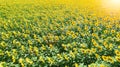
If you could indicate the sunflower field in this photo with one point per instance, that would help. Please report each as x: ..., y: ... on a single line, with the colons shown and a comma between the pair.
x: 58, y: 33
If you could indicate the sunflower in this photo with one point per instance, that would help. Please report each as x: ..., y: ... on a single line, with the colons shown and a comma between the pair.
x: 104, y: 58
x: 76, y: 65
x: 117, y: 58
x: 83, y: 51
x: 119, y: 47
x: 102, y: 65
x: 20, y: 60
x: 97, y: 56
x: 110, y: 59
x: 29, y: 60
x: 117, y: 52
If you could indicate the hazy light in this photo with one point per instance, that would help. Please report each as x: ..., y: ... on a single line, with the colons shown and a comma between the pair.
x: 113, y: 4
x: 115, y: 1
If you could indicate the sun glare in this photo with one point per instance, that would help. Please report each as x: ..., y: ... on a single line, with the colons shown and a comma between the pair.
x: 112, y: 4
x: 115, y: 2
